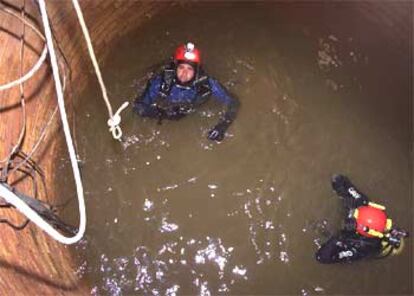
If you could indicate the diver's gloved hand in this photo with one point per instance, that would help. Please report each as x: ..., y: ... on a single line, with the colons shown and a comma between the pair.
x: 145, y: 110
x: 172, y: 111
x: 341, y: 184
x: 161, y: 103
x: 218, y: 132
x: 353, y: 198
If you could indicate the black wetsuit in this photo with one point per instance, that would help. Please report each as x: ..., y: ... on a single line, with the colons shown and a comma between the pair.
x: 348, y: 246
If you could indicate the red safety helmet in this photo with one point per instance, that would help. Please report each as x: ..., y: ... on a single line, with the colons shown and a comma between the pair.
x: 371, y: 221
x: 187, y: 53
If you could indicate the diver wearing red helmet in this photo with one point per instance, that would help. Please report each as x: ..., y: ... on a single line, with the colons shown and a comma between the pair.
x: 368, y: 231
x: 181, y: 86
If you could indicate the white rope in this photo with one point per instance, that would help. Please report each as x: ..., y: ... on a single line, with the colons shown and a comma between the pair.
x: 114, y: 119
x: 28, y: 75
x: 18, y: 203
x: 11, y: 12
x: 38, y: 64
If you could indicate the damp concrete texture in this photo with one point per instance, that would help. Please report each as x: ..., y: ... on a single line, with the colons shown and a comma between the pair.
x: 324, y: 88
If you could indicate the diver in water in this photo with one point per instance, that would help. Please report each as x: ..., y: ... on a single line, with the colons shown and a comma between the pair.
x: 367, y: 233
x: 181, y: 86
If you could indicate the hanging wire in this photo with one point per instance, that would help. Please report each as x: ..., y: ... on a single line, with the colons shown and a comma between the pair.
x: 21, y: 89
x: 20, y: 81
x: 44, y: 131
x: 27, y: 166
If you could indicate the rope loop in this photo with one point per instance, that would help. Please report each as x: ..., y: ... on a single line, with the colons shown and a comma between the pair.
x: 114, y: 122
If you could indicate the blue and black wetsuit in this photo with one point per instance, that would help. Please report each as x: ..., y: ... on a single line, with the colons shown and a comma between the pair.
x: 166, y: 98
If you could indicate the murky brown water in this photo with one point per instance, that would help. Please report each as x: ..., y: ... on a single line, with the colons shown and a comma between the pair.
x: 170, y: 212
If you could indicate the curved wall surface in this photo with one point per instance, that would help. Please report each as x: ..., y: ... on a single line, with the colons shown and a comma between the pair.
x: 29, y: 260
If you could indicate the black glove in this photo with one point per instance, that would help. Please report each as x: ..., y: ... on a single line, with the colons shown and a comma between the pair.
x: 352, y: 197
x: 341, y: 184
x: 218, y: 132
x: 145, y: 110
x: 172, y: 111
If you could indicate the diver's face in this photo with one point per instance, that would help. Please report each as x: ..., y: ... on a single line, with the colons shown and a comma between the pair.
x: 185, y: 72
